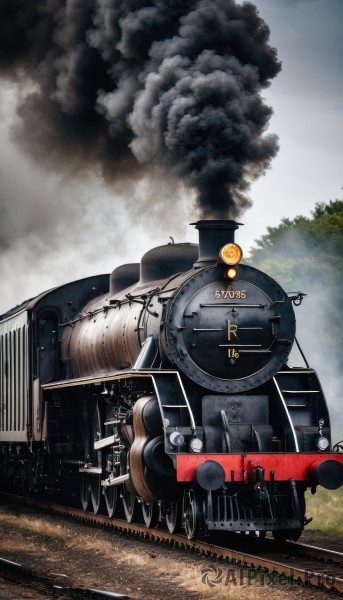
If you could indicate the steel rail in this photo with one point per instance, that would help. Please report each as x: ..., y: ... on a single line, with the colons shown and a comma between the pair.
x: 14, y: 570
x: 315, y: 552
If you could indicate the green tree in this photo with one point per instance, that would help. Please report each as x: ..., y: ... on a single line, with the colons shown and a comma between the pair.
x: 304, y: 250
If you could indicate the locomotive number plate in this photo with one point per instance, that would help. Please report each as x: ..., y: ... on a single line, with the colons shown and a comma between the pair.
x: 230, y: 293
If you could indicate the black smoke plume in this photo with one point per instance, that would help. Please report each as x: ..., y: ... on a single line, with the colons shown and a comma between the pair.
x: 125, y: 86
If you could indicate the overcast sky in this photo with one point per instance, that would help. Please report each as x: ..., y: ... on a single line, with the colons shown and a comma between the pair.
x: 56, y: 230
x: 308, y: 118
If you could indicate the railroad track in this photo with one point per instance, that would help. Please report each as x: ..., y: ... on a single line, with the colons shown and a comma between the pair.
x: 49, y: 586
x: 320, y: 567
x: 310, y: 574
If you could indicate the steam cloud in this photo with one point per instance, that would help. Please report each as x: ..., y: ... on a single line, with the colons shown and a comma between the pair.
x: 124, y: 86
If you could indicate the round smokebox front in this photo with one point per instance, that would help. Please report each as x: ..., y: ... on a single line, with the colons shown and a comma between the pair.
x: 230, y: 336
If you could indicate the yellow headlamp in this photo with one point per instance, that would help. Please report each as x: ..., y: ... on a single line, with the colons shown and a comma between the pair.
x: 231, y: 254
x: 230, y: 273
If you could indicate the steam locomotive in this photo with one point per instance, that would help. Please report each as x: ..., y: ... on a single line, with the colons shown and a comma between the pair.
x: 163, y: 391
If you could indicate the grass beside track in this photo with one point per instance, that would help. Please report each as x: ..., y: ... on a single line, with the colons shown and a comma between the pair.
x: 326, y: 508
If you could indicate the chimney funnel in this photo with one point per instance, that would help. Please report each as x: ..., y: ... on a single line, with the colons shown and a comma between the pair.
x: 213, y: 235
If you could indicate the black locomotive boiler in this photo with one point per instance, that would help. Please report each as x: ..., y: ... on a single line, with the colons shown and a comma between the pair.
x: 163, y: 392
